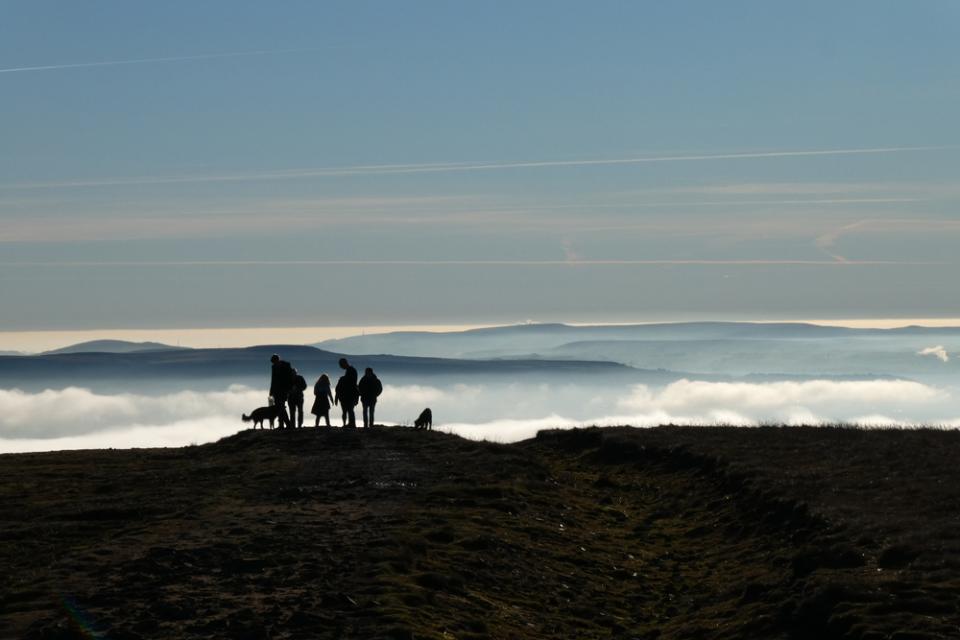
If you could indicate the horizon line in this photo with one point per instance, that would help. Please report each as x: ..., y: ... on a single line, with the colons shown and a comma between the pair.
x: 32, y: 341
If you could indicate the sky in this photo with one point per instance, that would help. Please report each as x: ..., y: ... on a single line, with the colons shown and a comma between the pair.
x: 185, y: 165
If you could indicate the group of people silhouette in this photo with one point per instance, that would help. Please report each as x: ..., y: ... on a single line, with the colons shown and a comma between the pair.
x: 287, y: 387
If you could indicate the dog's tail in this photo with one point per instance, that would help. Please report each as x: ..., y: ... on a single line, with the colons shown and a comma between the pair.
x: 246, y: 418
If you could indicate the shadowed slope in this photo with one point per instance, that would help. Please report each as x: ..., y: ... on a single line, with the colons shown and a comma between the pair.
x: 671, y: 533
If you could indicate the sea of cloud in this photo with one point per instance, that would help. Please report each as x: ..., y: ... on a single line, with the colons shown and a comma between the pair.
x: 77, y: 418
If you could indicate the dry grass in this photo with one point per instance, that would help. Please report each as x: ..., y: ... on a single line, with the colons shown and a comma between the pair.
x: 658, y: 533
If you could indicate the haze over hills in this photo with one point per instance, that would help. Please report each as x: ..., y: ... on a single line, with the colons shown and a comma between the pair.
x: 723, y: 348
x: 216, y: 368
x: 517, y: 380
x: 529, y: 338
x: 652, y: 353
x: 110, y: 346
x: 829, y: 356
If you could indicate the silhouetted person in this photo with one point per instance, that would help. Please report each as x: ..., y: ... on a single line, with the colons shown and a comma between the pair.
x: 281, y: 381
x: 347, y: 394
x: 369, y: 388
x: 323, y: 397
x: 295, y: 400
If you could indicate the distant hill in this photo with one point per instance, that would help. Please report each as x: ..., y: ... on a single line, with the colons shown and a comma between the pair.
x: 535, y: 339
x: 111, y: 346
x: 716, y: 348
x: 893, y: 354
x: 200, y: 368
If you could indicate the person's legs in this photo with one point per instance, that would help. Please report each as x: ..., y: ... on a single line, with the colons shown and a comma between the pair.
x: 366, y: 413
x: 300, y: 414
x: 343, y: 409
x: 372, y: 406
x: 326, y: 416
x: 352, y: 417
x: 282, y: 416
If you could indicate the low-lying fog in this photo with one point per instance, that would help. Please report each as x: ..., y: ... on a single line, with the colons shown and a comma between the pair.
x: 78, y: 418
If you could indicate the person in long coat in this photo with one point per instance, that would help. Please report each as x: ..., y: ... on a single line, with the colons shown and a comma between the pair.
x: 281, y: 381
x: 322, y: 400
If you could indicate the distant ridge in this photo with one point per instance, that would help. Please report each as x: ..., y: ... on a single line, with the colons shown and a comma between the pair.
x: 194, y: 368
x: 528, y: 339
x: 111, y: 346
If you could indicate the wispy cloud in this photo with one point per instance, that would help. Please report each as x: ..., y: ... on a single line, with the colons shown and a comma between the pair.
x: 131, y: 220
x: 187, y: 58
x: 393, y: 169
x: 817, y: 188
x: 465, y: 263
x: 570, y: 254
x: 869, y: 192
x: 825, y: 242
x: 938, y: 352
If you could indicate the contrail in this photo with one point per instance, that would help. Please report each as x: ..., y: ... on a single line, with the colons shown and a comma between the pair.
x: 467, y: 263
x: 448, y: 167
x: 111, y: 63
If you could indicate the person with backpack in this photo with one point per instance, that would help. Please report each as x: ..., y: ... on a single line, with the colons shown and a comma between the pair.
x: 295, y: 400
x: 370, y: 388
x: 281, y: 381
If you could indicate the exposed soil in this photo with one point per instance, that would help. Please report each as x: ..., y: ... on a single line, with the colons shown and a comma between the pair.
x: 675, y: 532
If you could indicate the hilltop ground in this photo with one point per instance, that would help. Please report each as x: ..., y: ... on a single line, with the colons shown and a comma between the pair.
x: 626, y: 533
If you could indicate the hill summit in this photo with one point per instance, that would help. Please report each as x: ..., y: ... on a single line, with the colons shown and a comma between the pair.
x: 395, y: 533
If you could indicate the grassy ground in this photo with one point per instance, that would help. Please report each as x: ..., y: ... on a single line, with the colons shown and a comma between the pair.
x: 392, y: 533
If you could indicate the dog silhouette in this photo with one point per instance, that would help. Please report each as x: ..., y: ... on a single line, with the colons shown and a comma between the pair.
x: 425, y: 421
x: 261, y: 414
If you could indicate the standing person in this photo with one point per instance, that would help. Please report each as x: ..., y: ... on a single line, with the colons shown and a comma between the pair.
x: 295, y: 400
x: 369, y: 388
x: 281, y: 381
x: 346, y: 394
x: 323, y: 397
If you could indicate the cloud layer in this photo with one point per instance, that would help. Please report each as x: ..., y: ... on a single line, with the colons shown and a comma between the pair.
x: 76, y: 418
x: 74, y: 411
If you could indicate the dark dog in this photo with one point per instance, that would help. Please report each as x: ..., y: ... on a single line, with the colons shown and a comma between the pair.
x: 425, y: 421
x: 261, y: 414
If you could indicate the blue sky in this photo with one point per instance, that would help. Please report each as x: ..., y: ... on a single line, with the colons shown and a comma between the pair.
x: 601, y: 161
